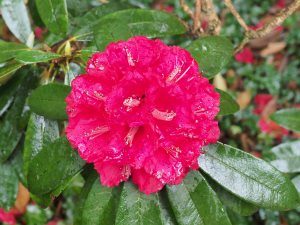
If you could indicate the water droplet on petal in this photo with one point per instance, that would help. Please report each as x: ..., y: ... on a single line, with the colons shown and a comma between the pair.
x: 129, y: 137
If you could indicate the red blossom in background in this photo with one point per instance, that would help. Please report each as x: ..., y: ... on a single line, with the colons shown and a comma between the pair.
x: 7, y: 217
x: 270, y: 127
x: 38, y: 32
x: 142, y: 110
x: 280, y: 4
x: 265, y: 124
x: 245, y: 56
x: 260, y: 24
x: 260, y: 101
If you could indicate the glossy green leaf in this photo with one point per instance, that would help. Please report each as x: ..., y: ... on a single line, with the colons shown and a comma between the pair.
x: 167, y: 214
x: 84, y: 24
x: 7, y: 93
x: 287, y: 157
x: 296, y: 182
x: 212, y: 53
x: 8, y: 50
x: 249, y: 178
x: 16, y: 161
x: 288, y: 118
x: 7, y: 71
x: 131, y: 22
x: 194, y: 202
x: 49, y: 101
x: 10, y: 130
x: 15, y: 15
x: 231, y: 201
x: 237, y: 219
x: 98, y: 203
x: 53, y: 166
x: 54, y: 15
x: 136, y: 208
x: 9, y: 138
x: 227, y: 104
x: 8, y: 186
x: 40, y: 132
x: 35, y: 56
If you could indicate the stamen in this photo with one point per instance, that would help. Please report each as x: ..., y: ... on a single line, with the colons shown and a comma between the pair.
x: 182, y: 75
x: 131, y: 103
x: 96, y: 95
x: 173, y: 74
x: 126, y: 171
x: 96, y: 132
x: 129, y: 57
x: 129, y: 137
x: 165, y: 116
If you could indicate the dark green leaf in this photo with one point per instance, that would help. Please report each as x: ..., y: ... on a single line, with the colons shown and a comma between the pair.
x: 16, y: 161
x: 35, y: 56
x: 7, y: 92
x: 231, y: 201
x: 296, y: 182
x: 9, y: 138
x: 249, y: 178
x: 288, y: 118
x: 15, y: 15
x: 8, y: 50
x: 53, y: 166
x: 194, y: 202
x: 40, y: 132
x: 131, y: 22
x: 85, y: 23
x: 237, y: 219
x: 49, y: 101
x: 54, y: 15
x: 227, y: 104
x: 34, y: 14
x: 98, y: 203
x: 10, y: 130
x: 167, y: 214
x: 137, y: 208
x: 78, y: 7
x: 287, y: 157
x: 212, y: 53
x: 8, y: 70
x: 8, y: 186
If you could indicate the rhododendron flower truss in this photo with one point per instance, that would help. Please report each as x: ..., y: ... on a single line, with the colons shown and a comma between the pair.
x: 142, y: 110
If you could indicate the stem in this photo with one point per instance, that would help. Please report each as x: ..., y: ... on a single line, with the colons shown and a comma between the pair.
x: 186, y: 8
x: 235, y: 13
x: 267, y: 28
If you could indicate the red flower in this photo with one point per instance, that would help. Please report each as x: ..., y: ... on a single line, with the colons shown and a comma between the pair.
x: 142, y: 109
x: 265, y: 124
x: 7, y: 217
x: 245, y: 56
x: 38, y: 32
x: 270, y: 127
x: 260, y: 24
x: 280, y: 4
x: 260, y: 101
